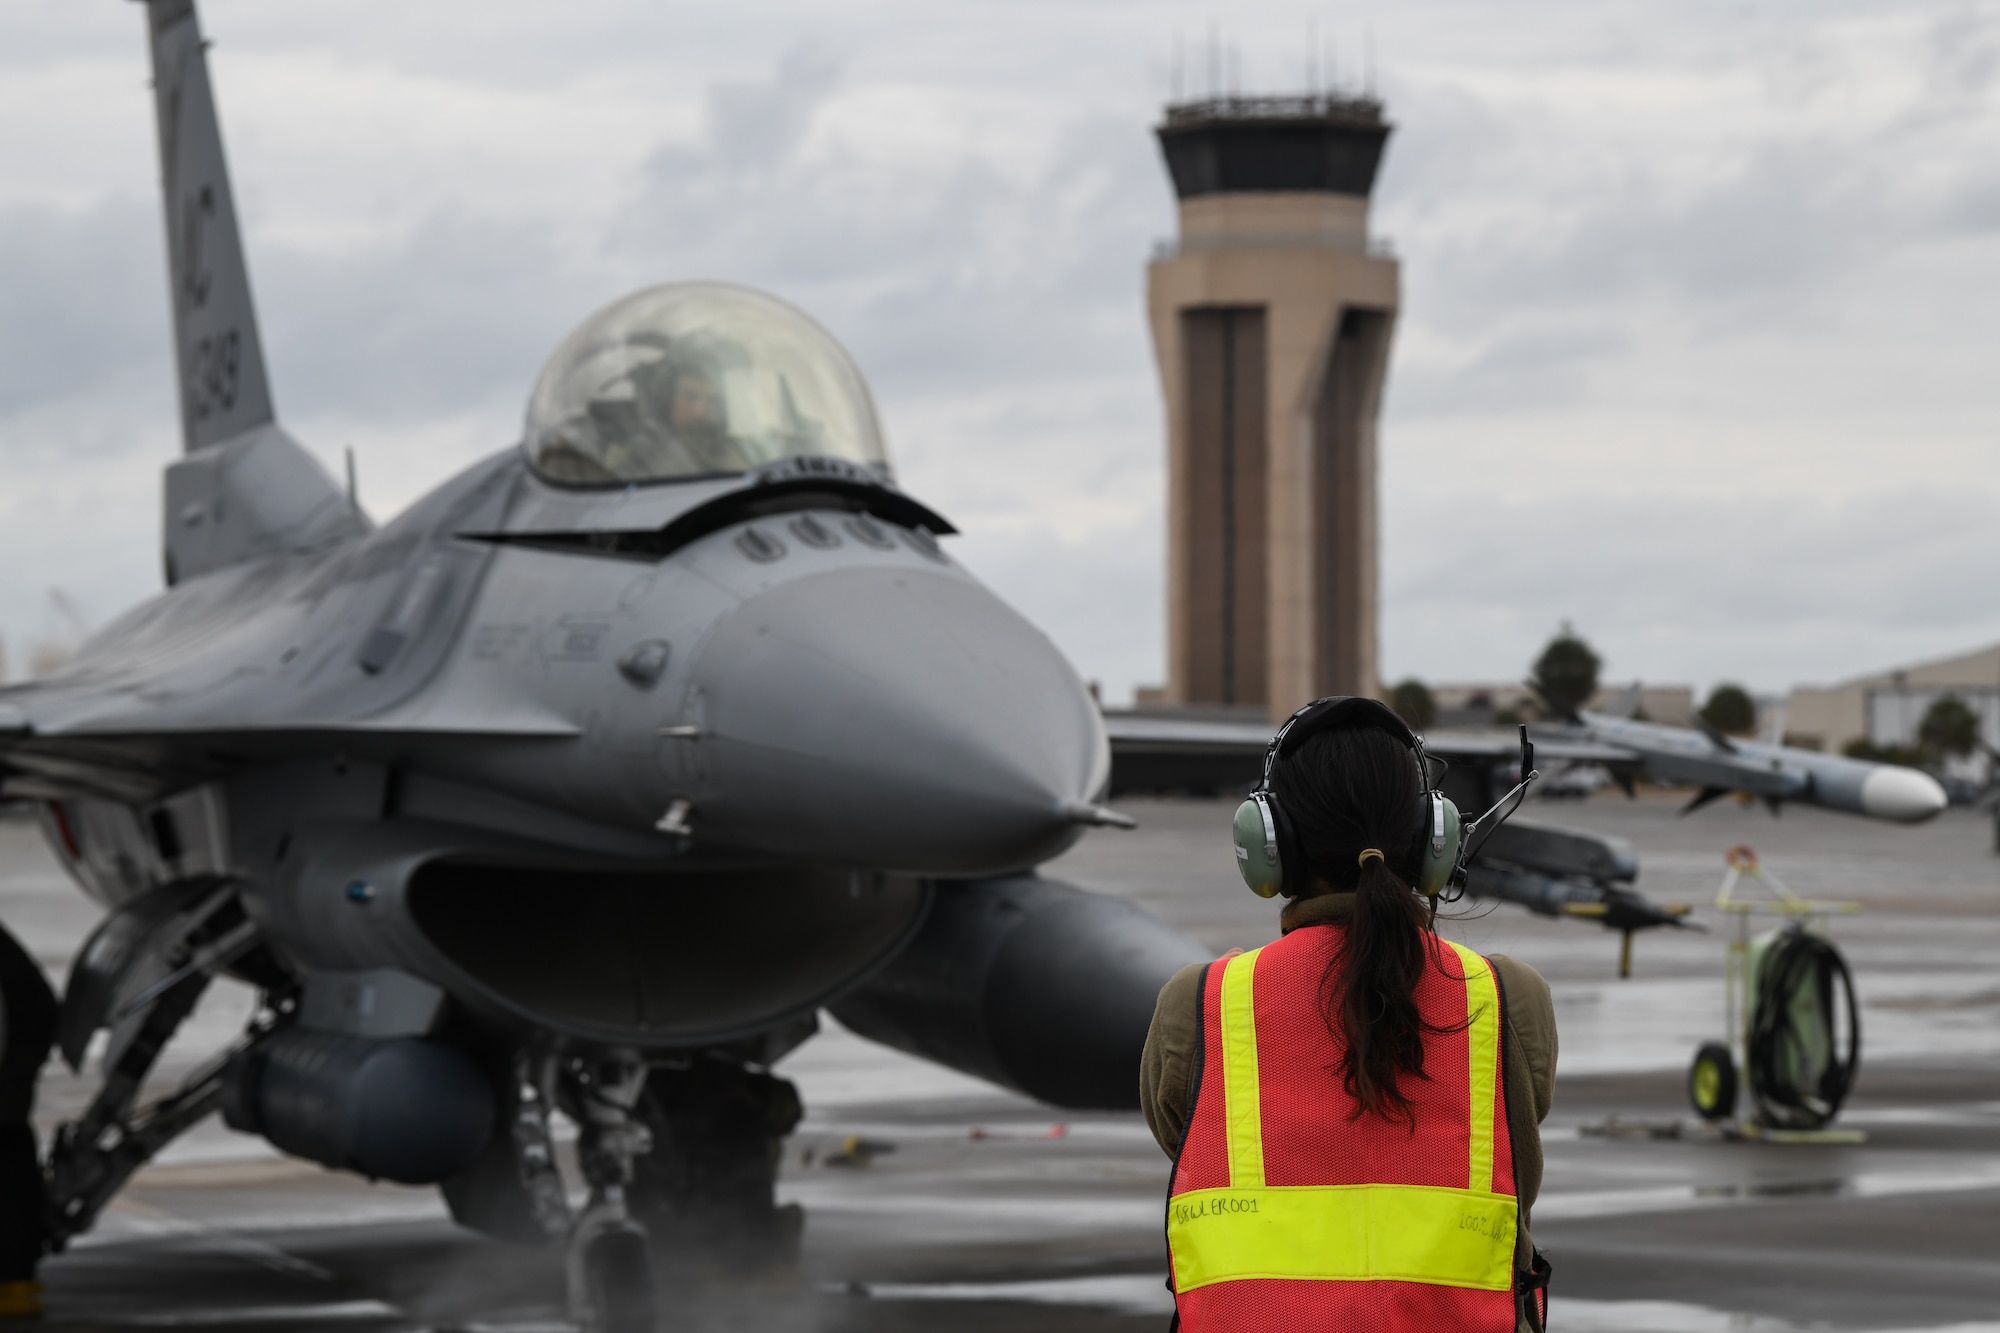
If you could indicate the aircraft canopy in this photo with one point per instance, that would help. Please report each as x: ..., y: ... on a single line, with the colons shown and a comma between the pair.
x: 695, y: 379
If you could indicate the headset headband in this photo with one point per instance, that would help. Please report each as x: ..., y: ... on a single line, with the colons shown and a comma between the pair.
x: 1340, y: 712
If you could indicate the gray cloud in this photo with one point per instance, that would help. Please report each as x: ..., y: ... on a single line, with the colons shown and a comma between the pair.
x: 85, y: 301
x: 1692, y: 589
x: 948, y: 278
x: 464, y: 306
x: 758, y: 126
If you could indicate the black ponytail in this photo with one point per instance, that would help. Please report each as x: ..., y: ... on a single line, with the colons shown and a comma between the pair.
x: 1347, y: 792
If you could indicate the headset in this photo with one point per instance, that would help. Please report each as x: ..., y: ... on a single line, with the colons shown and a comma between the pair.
x: 1268, y: 854
x: 1267, y: 850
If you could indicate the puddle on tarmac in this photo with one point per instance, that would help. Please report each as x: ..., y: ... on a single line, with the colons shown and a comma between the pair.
x: 1125, y: 1293
x: 1144, y: 1293
x: 1861, y: 1185
x: 325, y: 1312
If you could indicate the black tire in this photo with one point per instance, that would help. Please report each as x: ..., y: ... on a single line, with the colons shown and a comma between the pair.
x: 1712, y: 1082
x: 619, y: 1268
x: 707, y: 1191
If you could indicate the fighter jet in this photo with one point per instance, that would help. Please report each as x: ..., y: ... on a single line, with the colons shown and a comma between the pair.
x: 582, y: 785
x: 1550, y: 870
x: 1719, y: 765
x: 1150, y: 752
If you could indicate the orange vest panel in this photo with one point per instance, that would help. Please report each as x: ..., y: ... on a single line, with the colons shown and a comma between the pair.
x: 1287, y: 1211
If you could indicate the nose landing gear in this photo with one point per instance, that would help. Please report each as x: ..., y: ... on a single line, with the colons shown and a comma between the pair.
x: 610, y: 1265
x: 680, y: 1162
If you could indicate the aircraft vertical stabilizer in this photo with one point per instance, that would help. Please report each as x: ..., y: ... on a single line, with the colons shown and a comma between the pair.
x: 246, y: 488
x: 220, y: 358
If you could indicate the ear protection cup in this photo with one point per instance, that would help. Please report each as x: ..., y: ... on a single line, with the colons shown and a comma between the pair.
x: 1265, y: 856
x: 1259, y: 857
x: 1440, y: 850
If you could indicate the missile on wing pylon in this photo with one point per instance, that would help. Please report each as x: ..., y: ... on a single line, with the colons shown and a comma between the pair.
x: 1775, y: 774
x: 1564, y: 872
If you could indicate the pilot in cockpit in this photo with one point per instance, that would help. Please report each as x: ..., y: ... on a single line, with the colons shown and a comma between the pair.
x: 696, y: 380
x: 685, y: 415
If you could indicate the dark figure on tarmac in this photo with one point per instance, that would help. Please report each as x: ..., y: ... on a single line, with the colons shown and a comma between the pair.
x: 27, y: 1031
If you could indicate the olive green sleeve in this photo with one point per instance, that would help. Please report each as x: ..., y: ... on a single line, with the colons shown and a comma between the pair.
x: 1166, y: 1068
x: 1529, y: 1057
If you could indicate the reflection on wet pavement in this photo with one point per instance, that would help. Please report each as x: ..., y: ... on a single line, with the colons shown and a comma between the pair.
x: 1669, y: 1317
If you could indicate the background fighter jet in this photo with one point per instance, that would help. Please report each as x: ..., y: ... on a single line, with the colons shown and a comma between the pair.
x: 583, y: 784
x: 1719, y: 765
x: 1550, y: 870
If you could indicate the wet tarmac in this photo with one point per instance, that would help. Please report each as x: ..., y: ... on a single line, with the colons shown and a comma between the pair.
x: 961, y: 1207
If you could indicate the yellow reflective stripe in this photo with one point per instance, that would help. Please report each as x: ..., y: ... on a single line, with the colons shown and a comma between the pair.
x: 1243, y: 1112
x: 1482, y: 1013
x: 1343, y: 1233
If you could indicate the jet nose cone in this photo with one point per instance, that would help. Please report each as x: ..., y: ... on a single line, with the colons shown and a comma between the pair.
x: 1902, y: 794
x: 895, y: 718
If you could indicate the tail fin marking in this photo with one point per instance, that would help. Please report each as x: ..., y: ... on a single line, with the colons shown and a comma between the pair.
x: 220, y: 359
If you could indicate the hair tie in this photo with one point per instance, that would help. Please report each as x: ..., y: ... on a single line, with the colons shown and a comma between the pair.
x: 1362, y: 860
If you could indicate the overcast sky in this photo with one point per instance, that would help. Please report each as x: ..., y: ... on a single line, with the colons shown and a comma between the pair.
x: 1698, y: 347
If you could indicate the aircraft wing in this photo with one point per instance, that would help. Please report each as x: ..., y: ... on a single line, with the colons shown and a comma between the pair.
x: 1718, y: 765
x: 1495, y: 747
x: 49, y: 749
x: 1153, y: 753
x: 1150, y: 752
x: 1548, y: 870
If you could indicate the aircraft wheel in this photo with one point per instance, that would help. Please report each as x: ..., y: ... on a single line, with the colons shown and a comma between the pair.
x: 619, y: 1270
x: 707, y: 1190
x: 1712, y: 1082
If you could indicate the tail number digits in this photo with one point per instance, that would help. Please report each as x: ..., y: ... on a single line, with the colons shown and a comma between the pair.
x: 212, y: 375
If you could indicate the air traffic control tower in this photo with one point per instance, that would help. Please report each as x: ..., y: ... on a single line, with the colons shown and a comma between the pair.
x: 1271, y: 317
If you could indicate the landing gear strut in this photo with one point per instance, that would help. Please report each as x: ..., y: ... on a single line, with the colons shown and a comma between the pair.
x: 610, y: 1263
x: 681, y: 1162
x: 706, y: 1189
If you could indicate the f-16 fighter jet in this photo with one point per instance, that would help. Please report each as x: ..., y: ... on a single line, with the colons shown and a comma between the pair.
x: 583, y: 785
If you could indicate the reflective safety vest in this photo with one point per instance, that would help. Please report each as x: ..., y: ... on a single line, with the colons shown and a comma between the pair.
x: 1289, y: 1212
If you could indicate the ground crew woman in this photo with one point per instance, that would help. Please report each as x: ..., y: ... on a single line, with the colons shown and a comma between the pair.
x: 1353, y: 1110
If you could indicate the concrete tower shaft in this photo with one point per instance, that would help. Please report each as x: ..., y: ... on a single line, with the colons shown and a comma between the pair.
x: 1271, y: 317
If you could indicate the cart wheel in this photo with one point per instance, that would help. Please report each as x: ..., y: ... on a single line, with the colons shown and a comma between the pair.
x: 1712, y: 1082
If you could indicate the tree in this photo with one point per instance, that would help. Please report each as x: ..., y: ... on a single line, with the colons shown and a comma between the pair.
x: 1566, y: 673
x: 1730, y: 710
x: 1908, y: 756
x: 1413, y: 703
x: 1949, y: 729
